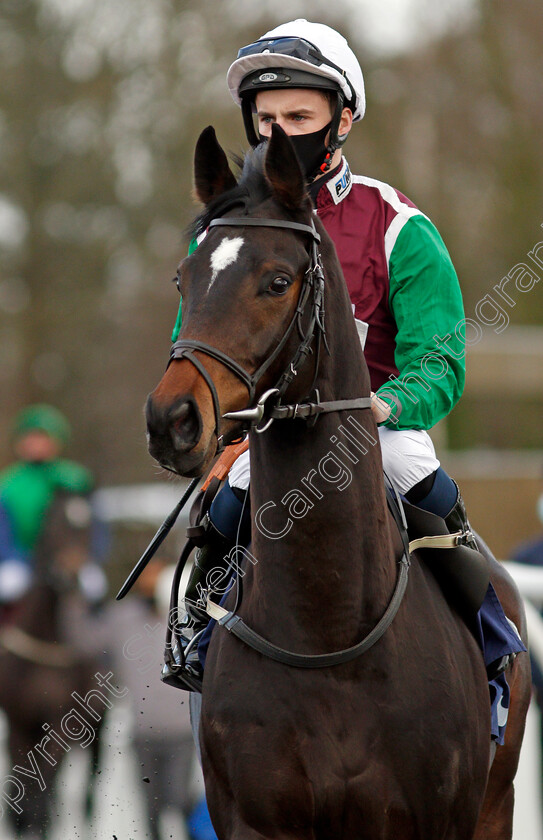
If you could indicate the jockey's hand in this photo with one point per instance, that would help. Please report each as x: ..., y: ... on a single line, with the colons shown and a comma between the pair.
x: 380, y: 409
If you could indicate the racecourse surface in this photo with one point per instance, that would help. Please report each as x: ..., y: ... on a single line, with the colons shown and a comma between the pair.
x: 120, y: 804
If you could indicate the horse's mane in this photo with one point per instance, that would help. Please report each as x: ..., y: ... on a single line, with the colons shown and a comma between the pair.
x: 252, y: 189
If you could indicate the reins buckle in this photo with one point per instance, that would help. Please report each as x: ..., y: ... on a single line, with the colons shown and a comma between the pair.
x: 253, y: 416
x: 464, y: 538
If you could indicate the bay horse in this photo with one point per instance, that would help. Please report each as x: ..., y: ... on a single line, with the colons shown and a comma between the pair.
x: 40, y: 669
x: 392, y: 743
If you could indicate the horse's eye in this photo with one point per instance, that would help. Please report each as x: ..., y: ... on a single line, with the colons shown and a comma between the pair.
x: 278, y: 286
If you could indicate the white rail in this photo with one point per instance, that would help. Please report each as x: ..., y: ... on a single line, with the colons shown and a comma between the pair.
x: 528, y: 822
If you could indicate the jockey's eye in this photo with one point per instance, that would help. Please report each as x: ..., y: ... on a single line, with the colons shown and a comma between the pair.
x: 279, y: 285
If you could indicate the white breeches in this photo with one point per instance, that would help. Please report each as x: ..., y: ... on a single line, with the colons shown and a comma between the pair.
x: 408, y: 457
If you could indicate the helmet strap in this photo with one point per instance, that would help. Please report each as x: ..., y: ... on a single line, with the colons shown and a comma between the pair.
x: 248, y: 121
x: 335, y: 141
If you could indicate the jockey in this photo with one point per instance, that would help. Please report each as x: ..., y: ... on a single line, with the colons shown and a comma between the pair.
x: 404, y: 291
x: 27, y: 489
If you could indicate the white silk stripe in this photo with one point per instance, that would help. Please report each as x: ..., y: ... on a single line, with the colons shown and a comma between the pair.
x: 224, y: 255
x: 404, y: 211
x: 394, y: 229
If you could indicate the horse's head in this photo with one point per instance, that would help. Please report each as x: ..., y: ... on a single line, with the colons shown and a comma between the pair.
x: 247, y: 303
x: 65, y: 543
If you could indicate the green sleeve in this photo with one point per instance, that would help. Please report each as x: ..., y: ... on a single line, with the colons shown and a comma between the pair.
x: 177, y: 326
x: 426, y: 302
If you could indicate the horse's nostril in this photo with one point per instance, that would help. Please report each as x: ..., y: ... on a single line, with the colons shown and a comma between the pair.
x: 182, y: 413
x: 173, y: 429
x: 186, y: 425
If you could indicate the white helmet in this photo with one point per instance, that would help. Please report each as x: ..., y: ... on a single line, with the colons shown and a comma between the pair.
x: 299, y: 54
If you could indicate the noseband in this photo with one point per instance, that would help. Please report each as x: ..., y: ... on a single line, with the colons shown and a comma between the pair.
x: 313, y: 281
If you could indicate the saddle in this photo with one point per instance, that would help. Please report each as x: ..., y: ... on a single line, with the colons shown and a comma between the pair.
x: 462, y: 573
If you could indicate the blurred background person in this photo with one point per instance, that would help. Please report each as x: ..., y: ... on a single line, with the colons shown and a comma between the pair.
x: 27, y: 489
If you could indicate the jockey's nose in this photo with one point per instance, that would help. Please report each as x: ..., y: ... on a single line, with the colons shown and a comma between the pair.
x: 172, y: 429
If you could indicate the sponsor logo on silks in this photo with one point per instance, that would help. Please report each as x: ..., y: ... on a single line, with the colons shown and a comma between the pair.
x: 267, y: 77
x: 341, y: 185
x: 344, y: 182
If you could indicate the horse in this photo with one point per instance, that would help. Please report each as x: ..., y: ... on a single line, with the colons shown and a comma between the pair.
x: 40, y: 671
x: 394, y: 742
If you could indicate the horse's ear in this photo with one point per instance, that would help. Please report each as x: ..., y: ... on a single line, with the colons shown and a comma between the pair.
x: 283, y: 170
x: 212, y: 174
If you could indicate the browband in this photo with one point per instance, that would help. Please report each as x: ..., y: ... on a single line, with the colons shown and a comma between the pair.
x: 244, y: 221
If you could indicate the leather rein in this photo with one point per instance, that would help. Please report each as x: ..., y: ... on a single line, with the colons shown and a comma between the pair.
x: 268, y: 406
x: 235, y: 624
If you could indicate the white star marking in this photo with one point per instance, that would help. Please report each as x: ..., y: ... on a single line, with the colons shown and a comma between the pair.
x: 224, y: 255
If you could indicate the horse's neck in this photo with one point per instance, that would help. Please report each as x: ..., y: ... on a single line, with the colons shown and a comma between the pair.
x: 321, y: 489
x: 38, y: 614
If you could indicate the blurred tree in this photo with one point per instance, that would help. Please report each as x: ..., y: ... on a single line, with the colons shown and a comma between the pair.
x: 100, y: 107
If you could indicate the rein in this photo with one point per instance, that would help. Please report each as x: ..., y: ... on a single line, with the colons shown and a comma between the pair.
x: 234, y: 624
x: 253, y: 415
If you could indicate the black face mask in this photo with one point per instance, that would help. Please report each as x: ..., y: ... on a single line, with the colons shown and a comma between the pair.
x: 310, y: 149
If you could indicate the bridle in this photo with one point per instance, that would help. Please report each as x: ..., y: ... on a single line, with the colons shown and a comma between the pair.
x: 268, y: 406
